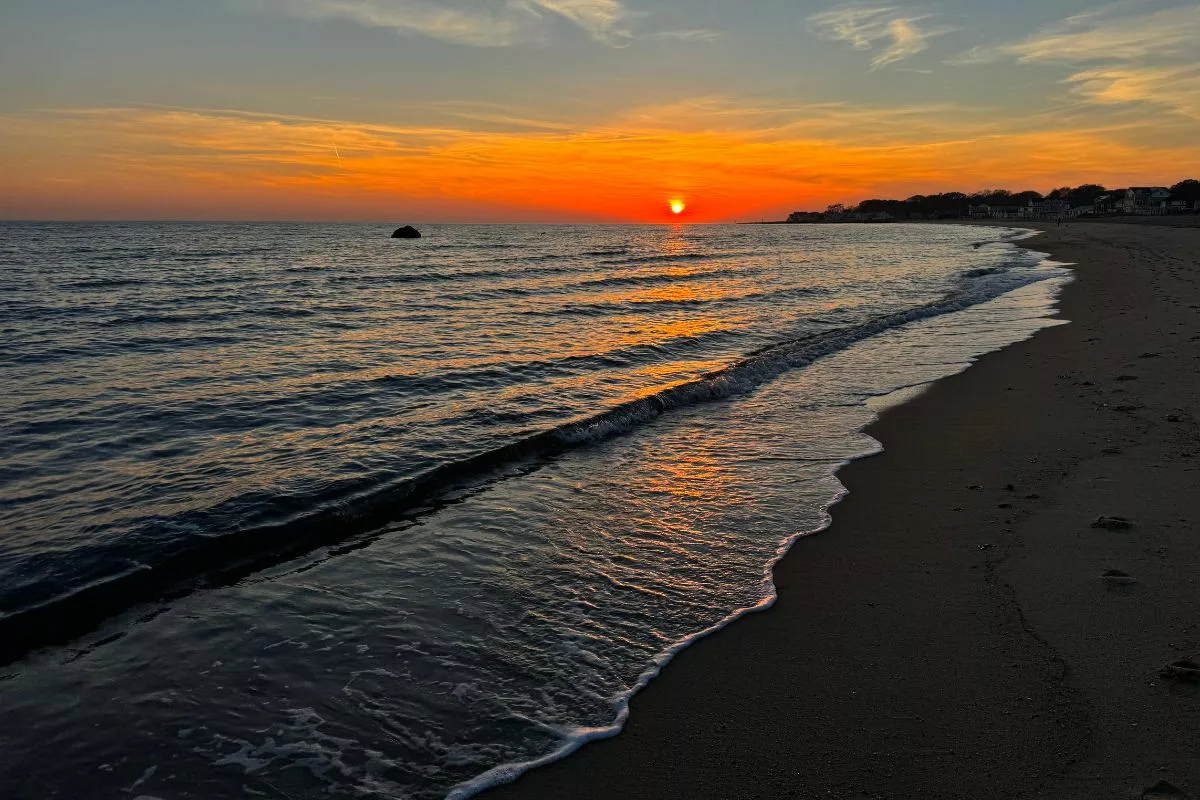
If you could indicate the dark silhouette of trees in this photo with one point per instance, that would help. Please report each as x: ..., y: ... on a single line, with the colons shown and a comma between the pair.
x: 957, y: 204
x: 949, y: 204
x: 1085, y: 195
x: 1188, y: 190
x: 1026, y: 197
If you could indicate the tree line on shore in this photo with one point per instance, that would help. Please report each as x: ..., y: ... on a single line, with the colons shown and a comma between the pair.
x: 955, y: 204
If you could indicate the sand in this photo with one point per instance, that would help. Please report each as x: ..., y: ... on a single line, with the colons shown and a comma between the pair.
x: 953, y: 634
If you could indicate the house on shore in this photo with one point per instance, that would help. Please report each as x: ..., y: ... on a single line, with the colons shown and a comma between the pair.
x: 994, y: 212
x: 1147, y: 200
x: 1050, y: 209
x: 1111, y: 203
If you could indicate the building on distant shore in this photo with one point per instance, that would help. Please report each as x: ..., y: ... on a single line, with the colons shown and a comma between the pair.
x: 1147, y: 200
x: 994, y: 212
x: 1111, y: 203
x: 1048, y: 209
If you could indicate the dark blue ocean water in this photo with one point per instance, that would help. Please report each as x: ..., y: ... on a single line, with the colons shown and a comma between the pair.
x: 385, y: 518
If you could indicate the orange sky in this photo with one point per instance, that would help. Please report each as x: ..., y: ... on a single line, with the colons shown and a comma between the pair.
x: 184, y: 163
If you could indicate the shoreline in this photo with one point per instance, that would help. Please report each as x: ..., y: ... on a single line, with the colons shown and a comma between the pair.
x: 845, y: 688
x: 508, y: 773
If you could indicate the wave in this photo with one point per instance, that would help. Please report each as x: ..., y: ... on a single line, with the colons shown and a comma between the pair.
x: 302, y: 523
x: 449, y: 276
x: 650, y: 305
x: 107, y: 283
x: 167, y: 255
x: 664, y: 277
x: 500, y: 373
x: 667, y: 257
x: 614, y: 251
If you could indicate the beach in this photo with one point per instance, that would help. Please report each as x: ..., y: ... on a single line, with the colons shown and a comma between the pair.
x: 1006, y: 603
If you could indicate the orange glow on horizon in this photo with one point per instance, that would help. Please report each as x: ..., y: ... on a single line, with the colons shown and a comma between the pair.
x: 115, y: 163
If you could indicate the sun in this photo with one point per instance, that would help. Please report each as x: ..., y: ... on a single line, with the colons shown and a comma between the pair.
x: 677, y: 206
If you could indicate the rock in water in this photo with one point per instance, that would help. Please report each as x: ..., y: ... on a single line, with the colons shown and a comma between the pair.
x: 407, y: 232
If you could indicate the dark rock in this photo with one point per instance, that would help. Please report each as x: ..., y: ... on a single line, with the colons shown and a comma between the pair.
x: 1115, y: 576
x: 1112, y: 523
x: 407, y: 232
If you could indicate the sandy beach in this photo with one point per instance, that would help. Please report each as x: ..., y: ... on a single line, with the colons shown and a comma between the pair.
x: 1006, y: 605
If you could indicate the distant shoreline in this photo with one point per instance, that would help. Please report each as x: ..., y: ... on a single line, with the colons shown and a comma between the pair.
x: 1184, y: 220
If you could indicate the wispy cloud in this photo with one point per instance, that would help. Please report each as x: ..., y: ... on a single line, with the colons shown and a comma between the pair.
x: 1175, y: 87
x: 1121, y: 56
x: 1110, y: 33
x: 688, y: 35
x: 894, y: 33
x: 482, y: 23
x: 606, y: 20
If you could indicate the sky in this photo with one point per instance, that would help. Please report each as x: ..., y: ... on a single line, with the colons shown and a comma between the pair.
x: 579, y: 110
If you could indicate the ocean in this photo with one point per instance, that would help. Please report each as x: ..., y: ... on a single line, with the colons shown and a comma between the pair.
x: 297, y: 510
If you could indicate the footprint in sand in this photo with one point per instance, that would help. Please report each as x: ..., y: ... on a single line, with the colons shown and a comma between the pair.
x: 1115, y: 577
x: 1163, y: 791
x: 1183, y: 670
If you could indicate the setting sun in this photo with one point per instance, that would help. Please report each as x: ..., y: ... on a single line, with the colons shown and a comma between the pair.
x: 677, y: 206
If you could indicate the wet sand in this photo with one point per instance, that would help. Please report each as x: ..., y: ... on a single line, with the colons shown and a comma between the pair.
x: 952, y: 635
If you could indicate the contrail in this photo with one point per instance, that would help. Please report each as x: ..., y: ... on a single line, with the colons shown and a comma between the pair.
x: 335, y: 151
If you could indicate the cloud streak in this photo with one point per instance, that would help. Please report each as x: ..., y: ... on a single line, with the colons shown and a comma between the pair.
x: 1174, y: 87
x: 1119, y: 57
x: 894, y: 34
x: 1107, y: 35
x: 490, y: 23
x: 687, y: 35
